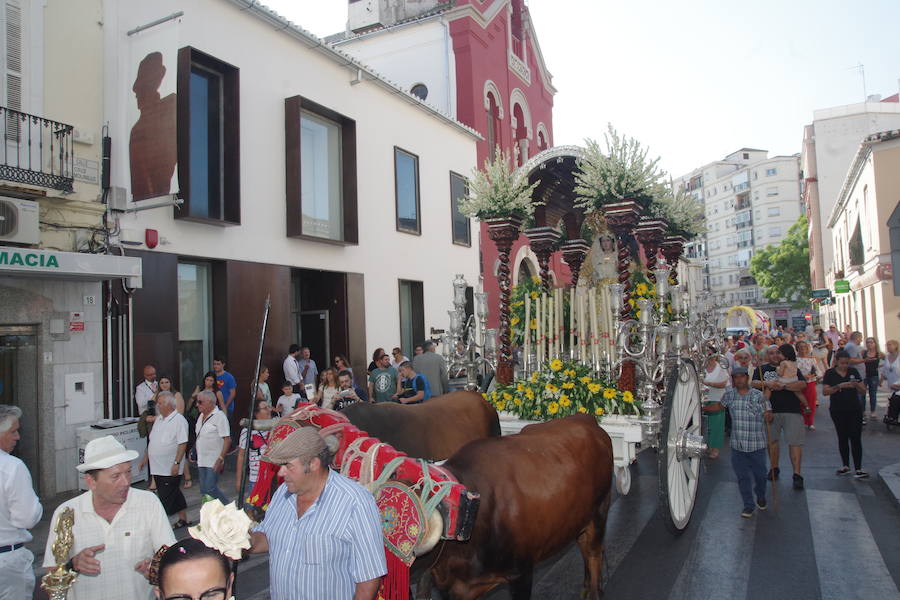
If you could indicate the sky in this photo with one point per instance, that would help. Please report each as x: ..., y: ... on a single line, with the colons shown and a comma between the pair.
x: 694, y: 80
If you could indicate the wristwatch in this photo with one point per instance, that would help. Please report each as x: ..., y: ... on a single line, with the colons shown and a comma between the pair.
x: 70, y: 566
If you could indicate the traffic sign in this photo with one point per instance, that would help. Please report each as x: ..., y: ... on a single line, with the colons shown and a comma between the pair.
x: 808, y: 317
x: 821, y: 293
x: 841, y: 286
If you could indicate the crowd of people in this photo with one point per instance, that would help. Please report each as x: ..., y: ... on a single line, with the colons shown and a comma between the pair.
x: 322, y: 530
x: 766, y: 389
x: 198, y: 432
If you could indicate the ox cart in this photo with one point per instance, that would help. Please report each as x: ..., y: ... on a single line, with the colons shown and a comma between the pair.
x: 625, y: 432
x: 672, y: 426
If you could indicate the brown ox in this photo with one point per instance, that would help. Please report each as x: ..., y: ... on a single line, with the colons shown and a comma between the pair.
x: 540, y: 489
x: 433, y: 430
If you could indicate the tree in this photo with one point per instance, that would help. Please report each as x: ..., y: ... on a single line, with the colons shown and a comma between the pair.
x: 782, y: 271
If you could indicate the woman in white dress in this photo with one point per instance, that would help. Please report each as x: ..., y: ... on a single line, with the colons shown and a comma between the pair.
x: 716, y: 379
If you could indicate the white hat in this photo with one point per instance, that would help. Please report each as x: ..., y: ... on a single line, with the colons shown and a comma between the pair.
x: 103, y: 453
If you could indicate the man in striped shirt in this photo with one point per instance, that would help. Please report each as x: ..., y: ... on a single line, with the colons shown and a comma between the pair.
x: 322, y: 530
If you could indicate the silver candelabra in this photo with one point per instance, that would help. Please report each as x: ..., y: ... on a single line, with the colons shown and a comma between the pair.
x: 461, y: 343
x: 657, y: 339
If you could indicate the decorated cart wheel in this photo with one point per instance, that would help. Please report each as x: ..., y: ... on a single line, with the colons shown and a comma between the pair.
x: 681, y: 446
x: 623, y: 480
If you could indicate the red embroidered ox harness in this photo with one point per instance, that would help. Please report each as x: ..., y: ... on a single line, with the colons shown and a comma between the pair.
x: 420, y: 503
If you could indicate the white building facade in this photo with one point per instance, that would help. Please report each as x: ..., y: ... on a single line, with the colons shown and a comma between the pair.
x: 829, y: 145
x: 217, y: 155
x: 750, y: 201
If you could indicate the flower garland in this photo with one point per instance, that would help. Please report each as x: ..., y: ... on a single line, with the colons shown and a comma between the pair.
x: 561, y: 389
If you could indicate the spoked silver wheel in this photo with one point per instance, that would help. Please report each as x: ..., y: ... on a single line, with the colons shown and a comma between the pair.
x: 681, y: 446
x: 623, y: 480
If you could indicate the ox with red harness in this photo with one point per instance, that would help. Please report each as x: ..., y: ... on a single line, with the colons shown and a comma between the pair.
x: 420, y: 503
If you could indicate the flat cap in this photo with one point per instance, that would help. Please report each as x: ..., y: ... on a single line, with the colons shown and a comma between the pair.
x: 304, y: 442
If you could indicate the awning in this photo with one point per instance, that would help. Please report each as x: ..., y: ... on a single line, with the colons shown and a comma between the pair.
x: 26, y: 262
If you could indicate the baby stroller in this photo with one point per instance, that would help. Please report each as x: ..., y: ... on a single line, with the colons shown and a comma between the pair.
x: 893, y: 412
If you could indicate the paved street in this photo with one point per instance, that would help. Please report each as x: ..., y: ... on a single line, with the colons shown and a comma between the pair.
x: 838, y: 540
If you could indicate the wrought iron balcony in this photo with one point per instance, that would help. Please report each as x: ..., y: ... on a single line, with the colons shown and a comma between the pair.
x: 37, y: 151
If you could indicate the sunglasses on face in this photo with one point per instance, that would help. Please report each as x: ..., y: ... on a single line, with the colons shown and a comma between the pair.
x: 210, y: 594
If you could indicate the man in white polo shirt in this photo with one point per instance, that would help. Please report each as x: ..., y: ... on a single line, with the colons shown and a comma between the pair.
x: 20, y: 510
x: 213, y: 442
x: 165, y: 451
x: 117, y: 528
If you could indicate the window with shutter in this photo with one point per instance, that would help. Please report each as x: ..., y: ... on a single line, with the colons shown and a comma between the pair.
x: 13, y: 47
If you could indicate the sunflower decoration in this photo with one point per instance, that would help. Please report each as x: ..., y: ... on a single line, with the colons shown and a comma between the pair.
x: 563, y: 388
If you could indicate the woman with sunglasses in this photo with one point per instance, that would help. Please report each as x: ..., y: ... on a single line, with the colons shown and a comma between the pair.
x: 872, y: 356
x: 189, y: 570
x: 209, y: 385
x: 341, y: 363
x: 398, y: 358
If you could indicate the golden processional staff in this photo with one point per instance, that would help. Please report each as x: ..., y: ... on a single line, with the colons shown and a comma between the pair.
x: 58, y: 581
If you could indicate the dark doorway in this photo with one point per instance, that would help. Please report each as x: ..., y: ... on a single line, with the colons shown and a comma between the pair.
x: 314, y: 333
x: 19, y: 387
x: 412, y: 315
x: 319, y: 314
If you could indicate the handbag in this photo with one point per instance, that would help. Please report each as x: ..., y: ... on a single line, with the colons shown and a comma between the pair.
x: 192, y: 455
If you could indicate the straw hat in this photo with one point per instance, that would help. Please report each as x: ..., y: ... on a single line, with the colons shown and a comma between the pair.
x: 103, y: 453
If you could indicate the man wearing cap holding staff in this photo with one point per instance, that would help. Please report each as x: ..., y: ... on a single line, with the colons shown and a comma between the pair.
x: 117, y: 529
x: 322, y: 530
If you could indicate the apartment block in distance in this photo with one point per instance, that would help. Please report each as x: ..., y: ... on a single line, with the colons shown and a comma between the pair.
x: 751, y: 201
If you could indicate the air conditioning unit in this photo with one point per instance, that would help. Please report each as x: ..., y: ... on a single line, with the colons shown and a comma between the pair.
x: 19, y: 221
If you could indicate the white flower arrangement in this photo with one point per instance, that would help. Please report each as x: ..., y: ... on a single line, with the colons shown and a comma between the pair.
x: 622, y: 173
x: 684, y: 215
x: 497, y: 191
x: 223, y: 528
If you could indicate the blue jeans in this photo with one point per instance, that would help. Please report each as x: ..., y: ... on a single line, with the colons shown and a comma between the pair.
x: 872, y: 386
x: 750, y: 468
x: 209, y: 484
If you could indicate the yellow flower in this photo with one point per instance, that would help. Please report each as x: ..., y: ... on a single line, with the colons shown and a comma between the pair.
x: 627, y: 396
x: 568, y: 385
x: 609, y: 393
x: 641, y: 289
x: 494, y: 396
x: 585, y: 380
x: 551, y: 388
x: 507, y: 396
x: 529, y: 393
x: 501, y: 405
x: 582, y: 410
x: 556, y: 364
x: 534, y: 295
x: 485, y: 396
x: 637, y: 315
x: 534, y: 323
x: 553, y: 408
x: 535, y: 279
x: 536, y: 411
x: 564, y: 401
x: 517, y: 401
x: 594, y: 388
x: 598, y: 411
x: 632, y: 302
x: 520, y: 388
x: 519, y: 303
x: 514, y: 321
x: 534, y: 377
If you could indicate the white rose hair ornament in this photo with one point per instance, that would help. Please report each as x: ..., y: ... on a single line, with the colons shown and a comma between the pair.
x: 223, y: 528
